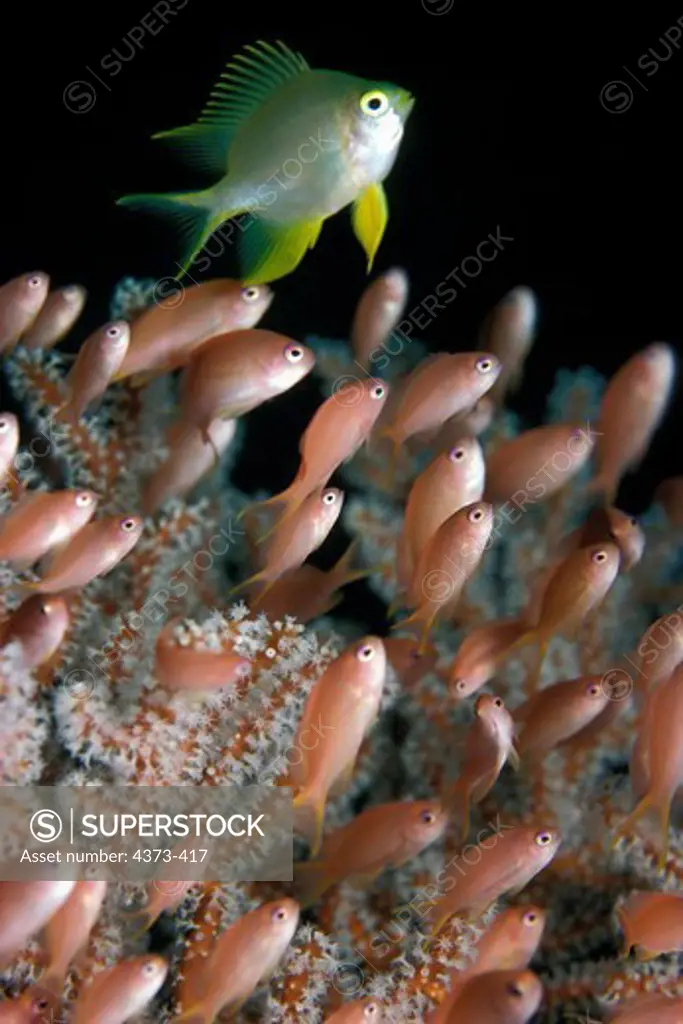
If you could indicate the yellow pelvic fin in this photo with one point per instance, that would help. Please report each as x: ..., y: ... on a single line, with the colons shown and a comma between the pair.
x: 270, y: 251
x: 369, y: 217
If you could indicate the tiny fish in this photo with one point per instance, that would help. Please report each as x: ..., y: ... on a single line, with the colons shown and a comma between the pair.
x: 536, y: 464
x: 189, y: 459
x: 180, y: 668
x: 509, y: 333
x: 94, y: 551
x: 343, y: 704
x: 9, y: 442
x: 611, y: 524
x: 476, y: 659
x: 499, y: 997
x: 97, y: 362
x: 57, y: 316
x: 167, y: 334
x: 235, y: 373
x: 360, y: 1011
x: 120, y: 992
x: 21, y: 299
x: 489, y: 745
x: 508, y: 944
x: 632, y: 408
x: 507, y: 863
x: 43, y: 521
x: 653, y: 923
x: 439, y: 388
x: 25, y: 907
x: 67, y: 932
x: 454, y: 479
x: 246, y: 953
x: 339, y: 427
x: 378, y: 312
x: 297, y: 537
x: 445, y: 566
x: 39, y: 625
x: 387, y: 835
x: 290, y: 146
x: 558, y: 712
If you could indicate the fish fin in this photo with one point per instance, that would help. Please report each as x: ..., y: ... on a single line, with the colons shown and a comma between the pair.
x: 514, y: 758
x: 343, y: 570
x: 312, y: 879
x: 256, y: 578
x: 395, y: 606
x: 313, y: 803
x: 192, y: 214
x: 250, y: 78
x: 291, y: 498
x: 270, y: 251
x: 457, y: 799
x: 425, y: 618
x: 641, y: 809
x: 370, y: 214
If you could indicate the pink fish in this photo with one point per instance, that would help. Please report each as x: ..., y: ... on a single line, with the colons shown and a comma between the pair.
x: 235, y: 373
x: 98, y: 361
x: 610, y: 524
x: 360, y: 1011
x: 499, y: 997
x: 507, y: 862
x: 190, y: 458
x: 489, y: 745
x: 379, y: 310
x: 44, y: 521
x: 297, y: 537
x: 57, y: 316
x: 558, y: 712
x: 167, y: 334
x: 660, y: 649
x: 406, y: 660
x: 95, y: 550
x: 180, y: 668
x: 337, y: 430
x: 509, y: 333
x: 25, y: 908
x: 470, y: 423
x: 476, y: 659
x: 653, y: 923
x: 21, y: 299
x: 9, y: 442
x: 67, y: 932
x: 246, y: 953
x: 454, y: 479
x: 343, y: 706
x: 536, y: 464
x: 39, y: 625
x: 509, y: 944
x: 633, y: 406
x: 120, y: 992
x: 387, y: 835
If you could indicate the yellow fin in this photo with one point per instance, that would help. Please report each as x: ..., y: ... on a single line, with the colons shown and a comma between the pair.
x: 369, y: 217
x: 271, y: 251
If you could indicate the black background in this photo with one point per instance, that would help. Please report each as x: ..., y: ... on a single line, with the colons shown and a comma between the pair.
x: 508, y: 130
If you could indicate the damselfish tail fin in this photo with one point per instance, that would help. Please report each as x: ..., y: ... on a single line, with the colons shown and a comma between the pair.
x: 192, y: 213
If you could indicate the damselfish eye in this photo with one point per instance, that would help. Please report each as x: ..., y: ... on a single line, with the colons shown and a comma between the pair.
x: 456, y: 454
x: 115, y: 332
x: 543, y: 838
x: 599, y: 557
x: 428, y: 817
x: 4, y: 425
x: 530, y: 917
x: 461, y: 685
x: 498, y: 702
x: 127, y: 525
x: 633, y: 521
x: 514, y: 990
x: 484, y: 365
x: 279, y: 914
x: 377, y: 391
x: 475, y: 515
x: 329, y: 497
x: 34, y: 280
x: 365, y: 653
x: 150, y: 967
x: 294, y: 353
x: 371, y: 1011
x: 593, y: 690
x: 83, y: 499
x: 374, y: 103
x: 250, y: 294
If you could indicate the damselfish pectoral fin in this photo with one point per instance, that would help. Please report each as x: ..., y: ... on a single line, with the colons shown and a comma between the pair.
x: 270, y: 251
x: 369, y: 216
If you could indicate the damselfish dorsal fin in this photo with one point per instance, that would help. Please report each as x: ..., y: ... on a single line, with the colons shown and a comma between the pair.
x: 244, y: 86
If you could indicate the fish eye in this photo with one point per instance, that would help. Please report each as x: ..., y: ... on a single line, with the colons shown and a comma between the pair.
x: 365, y: 653
x: 593, y: 690
x: 476, y: 515
x: 4, y: 425
x: 44, y: 607
x: 530, y: 918
x: 377, y: 391
x: 115, y: 332
x: 514, y: 990
x: 461, y: 685
x: 329, y: 497
x: 370, y: 1010
x: 149, y: 968
x: 374, y: 103
x: 498, y: 702
x: 428, y: 817
x: 633, y: 521
x: 456, y: 454
x: 599, y: 557
x: 34, y: 280
x: 250, y: 294
x: 279, y: 914
x: 83, y: 499
x: 294, y: 353
x: 543, y: 838
x: 128, y: 525
x: 484, y: 365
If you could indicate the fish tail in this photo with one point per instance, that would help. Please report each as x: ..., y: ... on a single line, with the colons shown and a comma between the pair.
x: 309, y: 807
x: 457, y: 800
x: 343, y: 570
x: 193, y: 213
x: 424, y: 616
x: 312, y: 879
x: 258, y: 577
x: 291, y: 498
